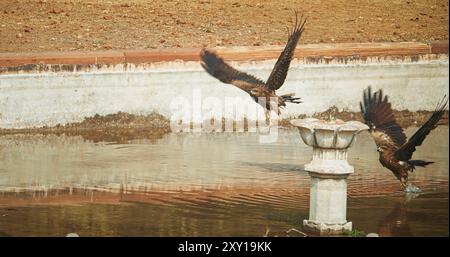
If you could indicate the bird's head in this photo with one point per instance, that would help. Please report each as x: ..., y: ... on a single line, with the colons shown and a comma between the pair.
x: 255, y: 91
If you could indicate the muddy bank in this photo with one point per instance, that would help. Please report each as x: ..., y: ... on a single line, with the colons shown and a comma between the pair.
x: 122, y: 127
x: 119, y: 127
x: 405, y: 118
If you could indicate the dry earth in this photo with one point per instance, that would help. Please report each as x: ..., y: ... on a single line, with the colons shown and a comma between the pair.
x: 83, y: 25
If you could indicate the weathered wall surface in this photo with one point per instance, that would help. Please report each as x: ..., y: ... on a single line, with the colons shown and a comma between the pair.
x: 36, y: 98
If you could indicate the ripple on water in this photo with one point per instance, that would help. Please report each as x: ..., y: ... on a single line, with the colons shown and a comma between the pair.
x: 211, y: 177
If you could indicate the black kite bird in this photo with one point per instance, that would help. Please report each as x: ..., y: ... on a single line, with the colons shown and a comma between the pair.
x: 394, y: 150
x: 255, y: 87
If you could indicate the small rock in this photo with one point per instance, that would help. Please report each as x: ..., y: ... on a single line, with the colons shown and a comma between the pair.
x: 372, y: 235
x: 72, y: 235
x: 54, y: 11
x: 19, y: 35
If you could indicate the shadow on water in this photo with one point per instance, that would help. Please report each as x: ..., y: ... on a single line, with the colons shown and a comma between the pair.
x: 223, y: 184
x: 276, y: 167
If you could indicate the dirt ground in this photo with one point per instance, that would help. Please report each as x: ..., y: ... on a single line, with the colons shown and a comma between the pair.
x: 85, y: 25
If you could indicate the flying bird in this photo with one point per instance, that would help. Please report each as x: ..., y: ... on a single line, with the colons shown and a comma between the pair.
x: 254, y: 86
x: 395, y: 151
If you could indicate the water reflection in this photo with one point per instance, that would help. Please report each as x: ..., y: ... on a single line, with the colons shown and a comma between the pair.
x: 209, y: 184
x: 218, y: 215
x: 396, y: 222
x: 118, y: 136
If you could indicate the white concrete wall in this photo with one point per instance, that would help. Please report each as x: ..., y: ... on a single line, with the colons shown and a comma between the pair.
x: 37, y: 99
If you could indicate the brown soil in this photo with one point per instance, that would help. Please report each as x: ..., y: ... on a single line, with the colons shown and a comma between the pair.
x: 84, y: 25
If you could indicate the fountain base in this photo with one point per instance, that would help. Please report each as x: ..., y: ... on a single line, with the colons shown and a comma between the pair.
x: 327, y: 229
x: 328, y: 203
x: 328, y: 170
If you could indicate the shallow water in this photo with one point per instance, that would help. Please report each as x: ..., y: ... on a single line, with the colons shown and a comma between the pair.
x: 201, y: 185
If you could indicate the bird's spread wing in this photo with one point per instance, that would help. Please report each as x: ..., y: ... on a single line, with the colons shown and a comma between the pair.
x: 406, y: 151
x: 280, y: 70
x: 378, y: 115
x: 219, y: 69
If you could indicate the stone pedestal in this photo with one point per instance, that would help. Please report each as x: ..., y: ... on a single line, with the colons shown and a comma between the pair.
x: 329, y: 170
x: 328, y: 204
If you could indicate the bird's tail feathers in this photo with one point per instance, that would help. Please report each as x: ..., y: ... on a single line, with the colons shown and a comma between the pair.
x: 419, y: 163
x: 290, y: 98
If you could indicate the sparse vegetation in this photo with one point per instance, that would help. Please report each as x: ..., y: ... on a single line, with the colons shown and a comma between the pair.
x: 354, y: 233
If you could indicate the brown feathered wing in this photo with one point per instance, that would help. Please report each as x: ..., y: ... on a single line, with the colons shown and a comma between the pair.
x: 406, y: 151
x: 219, y: 69
x: 378, y: 115
x: 280, y: 70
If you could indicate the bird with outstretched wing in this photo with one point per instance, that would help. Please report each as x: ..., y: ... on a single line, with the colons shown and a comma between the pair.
x: 395, y: 151
x: 255, y: 87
